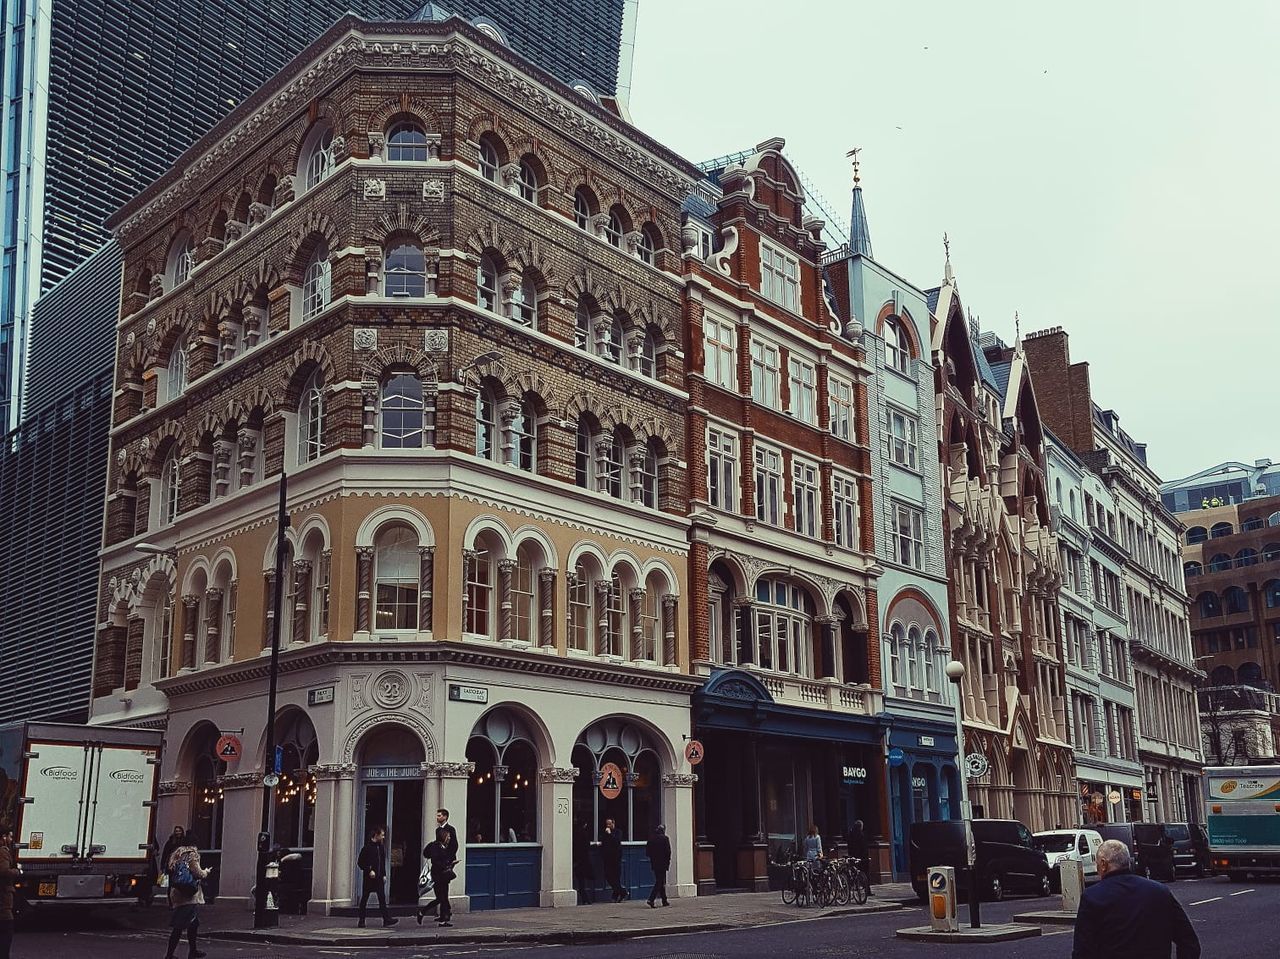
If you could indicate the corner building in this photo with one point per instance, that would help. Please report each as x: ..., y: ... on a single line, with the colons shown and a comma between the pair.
x: 1003, y: 558
x: 437, y: 287
x: 782, y: 568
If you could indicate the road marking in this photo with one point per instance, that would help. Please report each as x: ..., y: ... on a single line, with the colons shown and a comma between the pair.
x: 1243, y: 892
x: 1203, y: 901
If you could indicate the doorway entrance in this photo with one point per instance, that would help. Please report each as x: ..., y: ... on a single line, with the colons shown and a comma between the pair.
x: 391, y: 796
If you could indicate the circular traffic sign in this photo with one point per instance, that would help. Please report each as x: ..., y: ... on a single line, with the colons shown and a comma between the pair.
x: 611, y: 780
x: 228, y: 748
x: 897, y: 757
x: 271, y: 780
x: 694, y: 752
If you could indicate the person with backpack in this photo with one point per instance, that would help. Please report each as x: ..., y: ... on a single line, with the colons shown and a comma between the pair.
x: 185, y: 897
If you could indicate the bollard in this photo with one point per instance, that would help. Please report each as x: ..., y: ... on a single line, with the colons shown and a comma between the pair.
x: 942, y: 899
x: 1071, y: 873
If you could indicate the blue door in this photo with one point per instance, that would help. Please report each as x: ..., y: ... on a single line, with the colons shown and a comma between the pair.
x: 506, y: 876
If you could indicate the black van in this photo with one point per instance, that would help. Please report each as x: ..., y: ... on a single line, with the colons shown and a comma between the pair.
x: 1190, y: 847
x: 1150, y: 850
x: 1007, y: 857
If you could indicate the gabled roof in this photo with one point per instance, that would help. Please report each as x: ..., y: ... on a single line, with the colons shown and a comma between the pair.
x: 999, y: 374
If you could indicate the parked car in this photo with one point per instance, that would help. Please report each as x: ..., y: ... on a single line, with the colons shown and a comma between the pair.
x: 1150, y: 850
x: 1190, y: 846
x: 1008, y: 860
x: 1066, y: 845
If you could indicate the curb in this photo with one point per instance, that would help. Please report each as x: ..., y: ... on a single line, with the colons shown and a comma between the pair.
x: 558, y: 937
x: 1001, y: 932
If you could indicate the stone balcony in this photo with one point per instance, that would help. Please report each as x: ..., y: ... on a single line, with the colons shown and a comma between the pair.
x: 828, y: 695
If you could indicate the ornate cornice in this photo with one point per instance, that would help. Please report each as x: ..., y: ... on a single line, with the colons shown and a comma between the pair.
x: 448, y: 770
x: 173, y: 787
x: 239, y: 780
x: 554, y: 774
x: 334, y: 770
x: 679, y: 780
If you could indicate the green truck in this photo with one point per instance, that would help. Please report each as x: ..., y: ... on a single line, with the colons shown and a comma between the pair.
x: 1242, y: 806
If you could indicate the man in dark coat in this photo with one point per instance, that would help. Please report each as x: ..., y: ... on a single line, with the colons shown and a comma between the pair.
x: 1127, y: 917
x: 584, y: 875
x: 373, y: 874
x: 611, y: 853
x: 658, y: 849
x: 857, y: 840
x: 449, y: 849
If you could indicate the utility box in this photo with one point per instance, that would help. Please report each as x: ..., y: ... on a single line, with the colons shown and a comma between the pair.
x: 1071, y: 873
x: 942, y: 899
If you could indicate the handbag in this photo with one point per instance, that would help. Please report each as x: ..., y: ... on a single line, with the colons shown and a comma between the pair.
x: 425, y: 882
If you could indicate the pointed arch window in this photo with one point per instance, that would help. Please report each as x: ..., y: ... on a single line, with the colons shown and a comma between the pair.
x: 311, y: 420
x: 489, y: 160
x: 176, y: 372
x: 170, y: 488
x: 317, y: 283
x: 405, y: 271
x: 407, y: 142
x: 897, y: 349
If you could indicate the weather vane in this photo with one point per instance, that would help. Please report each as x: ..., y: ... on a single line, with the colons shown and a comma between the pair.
x: 1017, y: 327
x: 853, y: 154
x: 946, y: 245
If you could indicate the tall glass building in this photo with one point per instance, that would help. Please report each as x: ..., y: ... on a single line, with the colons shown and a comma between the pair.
x: 101, y: 96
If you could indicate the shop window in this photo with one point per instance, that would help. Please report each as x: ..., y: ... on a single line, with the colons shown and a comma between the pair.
x: 638, y: 807
x: 502, y: 793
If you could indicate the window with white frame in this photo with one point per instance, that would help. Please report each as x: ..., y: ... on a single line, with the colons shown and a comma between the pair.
x: 170, y: 488
x: 396, y: 573
x: 489, y: 161
x: 228, y: 637
x: 527, y: 182
x: 487, y: 284
x: 614, y: 345
x: 720, y: 352
x: 162, y: 638
x: 804, y: 389
x: 903, y: 444
x: 317, y: 283
x: 582, y: 328
x: 768, y: 485
x: 915, y: 677
x: 897, y: 639
x: 722, y: 469
x: 175, y: 380
x: 908, y: 531
x: 524, y: 609
x: 311, y: 419
x: 930, y: 662
x: 844, y: 502
x: 614, y: 465
x: 488, y: 443
x: 784, y: 627
x: 615, y: 229
x: 804, y: 497
x: 897, y: 347
x: 581, y: 590
x: 524, y: 433
x: 524, y: 302
x: 407, y: 142
x: 584, y: 467
x: 840, y: 406
x: 766, y: 371
x: 649, y: 354
x: 321, y: 161
x: 479, y: 588
x: 405, y: 271
x: 779, y: 277
x: 184, y: 263
x: 649, y: 491
x: 404, y: 419
x: 320, y: 598
x: 582, y: 212
x: 612, y: 643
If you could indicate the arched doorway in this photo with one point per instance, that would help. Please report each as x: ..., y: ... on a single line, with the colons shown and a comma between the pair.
x: 293, y: 813
x: 391, y: 794
x: 504, y: 856
x: 1025, y: 793
x: 205, y: 828
x: 636, y: 809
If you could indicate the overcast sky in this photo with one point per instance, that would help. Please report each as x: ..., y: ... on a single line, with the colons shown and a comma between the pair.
x: 1111, y: 168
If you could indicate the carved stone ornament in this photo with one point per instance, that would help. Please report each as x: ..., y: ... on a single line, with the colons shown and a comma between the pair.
x: 121, y: 456
x: 129, y: 340
x: 375, y: 189
x: 366, y: 339
x: 391, y: 689
x: 151, y: 327
x: 173, y: 787
x: 433, y: 189
x: 679, y: 780
x: 334, y: 770
x: 239, y: 780
x: 436, y: 341
x: 448, y: 770
x: 554, y: 774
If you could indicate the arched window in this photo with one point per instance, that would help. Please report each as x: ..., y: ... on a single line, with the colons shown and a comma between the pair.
x: 396, y: 574
x: 897, y: 639
x: 1221, y: 529
x: 502, y: 793
x: 1250, y: 674
x: 1196, y: 534
x: 1219, y: 563
x: 580, y: 595
x: 930, y: 662
x: 490, y: 160
x: 320, y: 159
x: 650, y: 243
x: 524, y: 302
x: 1252, y: 523
x: 170, y: 488
x: 1271, y: 593
x: 1210, y: 605
x: 1223, y: 676
x: 1271, y: 552
x: 616, y: 344
x: 1247, y: 557
x: 649, y: 354
x: 527, y: 181
x: 183, y: 261
x: 912, y: 654
x: 479, y: 592
x: 162, y: 635
x: 1191, y: 569
x: 638, y: 807
x: 615, y: 230
x: 1236, y: 600
x: 649, y: 490
x: 487, y: 284
x: 316, y: 284
x: 584, y: 454
x: 175, y: 380
x: 405, y: 271
x: 784, y: 627
x: 582, y: 327
x: 402, y: 412
x: 488, y: 440
x: 584, y: 208
x: 311, y: 419
x: 615, y: 464
x: 407, y: 141
x: 524, y: 434
x: 293, y: 813
x: 524, y: 594
x: 897, y: 350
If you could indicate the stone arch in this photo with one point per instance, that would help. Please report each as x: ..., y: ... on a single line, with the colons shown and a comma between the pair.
x: 186, y: 752
x: 268, y: 182
x: 266, y: 275
x: 656, y: 428
x: 482, y: 123
x: 405, y: 105
x: 357, y: 733
x: 168, y: 435
x: 376, y: 366
x: 405, y: 224
x: 655, y: 564
x: 532, y: 256
x: 310, y: 356
x: 544, y: 742
x: 167, y: 332
x: 857, y: 601
x: 395, y: 514
x: 529, y: 533
x: 488, y: 237
x: 304, y: 239
x: 259, y: 398
x: 582, y: 402
x: 525, y: 146
x: 321, y: 111
x: 488, y: 523
x: 532, y: 381
x: 583, y: 284
x: 905, y: 323
x: 585, y: 548
x: 736, y: 568
x: 659, y: 740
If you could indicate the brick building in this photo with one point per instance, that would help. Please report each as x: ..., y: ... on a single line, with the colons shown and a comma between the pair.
x: 441, y: 290
x: 1153, y: 599
x: 781, y: 561
x: 1003, y: 559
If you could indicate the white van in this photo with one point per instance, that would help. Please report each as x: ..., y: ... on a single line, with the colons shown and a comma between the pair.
x: 1063, y: 845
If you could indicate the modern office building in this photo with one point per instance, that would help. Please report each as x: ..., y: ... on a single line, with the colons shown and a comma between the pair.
x: 887, y: 313
x: 1154, y: 600
x: 103, y: 95
x: 1228, y: 483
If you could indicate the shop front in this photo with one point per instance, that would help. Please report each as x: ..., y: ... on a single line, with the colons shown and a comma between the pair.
x: 771, y: 772
x: 923, y: 783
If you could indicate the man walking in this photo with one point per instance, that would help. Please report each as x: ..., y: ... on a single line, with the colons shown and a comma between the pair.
x: 1127, y: 917
x: 449, y: 849
x: 658, y: 849
x: 611, y: 854
x: 857, y: 840
x: 373, y: 873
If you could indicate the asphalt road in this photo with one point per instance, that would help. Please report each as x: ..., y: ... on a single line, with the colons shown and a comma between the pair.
x: 1232, y: 919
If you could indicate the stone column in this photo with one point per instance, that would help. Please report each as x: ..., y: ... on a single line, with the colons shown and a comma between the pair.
x: 190, y: 615
x: 506, y: 568
x: 213, y: 625
x: 247, y: 447
x: 635, y: 599
x: 602, y: 617
x: 369, y: 414
x: 744, y: 629
x: 635, y: 473
x: 426, y: 569
x: 336, y: 839
x: 604, y: 449
x: 677, y: 814
x: 546, y: 608
x: 831, y: 668
x: 507, y: 417
x: 301, y: 601
x: 555, y: 826
x: 468, y: 567
x: 364, y: 587
x: 670, y: 655
x: 133, y: 642
x: 241, y: 812
x: 222, y: 467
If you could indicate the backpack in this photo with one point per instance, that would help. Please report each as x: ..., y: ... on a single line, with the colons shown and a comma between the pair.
x: 181, y: 879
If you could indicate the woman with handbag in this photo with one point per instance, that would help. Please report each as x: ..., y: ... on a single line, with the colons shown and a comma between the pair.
x: 439, y: 858
x: 185, y: 896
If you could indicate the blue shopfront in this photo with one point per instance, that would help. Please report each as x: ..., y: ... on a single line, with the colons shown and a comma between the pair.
x: 923, y: 783
x: 772, y: 771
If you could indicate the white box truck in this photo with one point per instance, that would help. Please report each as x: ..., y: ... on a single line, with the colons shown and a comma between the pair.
x: 81, y: 801
x: 1242, y: 819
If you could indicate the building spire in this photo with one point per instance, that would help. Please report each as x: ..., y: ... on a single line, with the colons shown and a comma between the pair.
x: 1017, y: 330
x: 859, y: 232
x: 948, y: 276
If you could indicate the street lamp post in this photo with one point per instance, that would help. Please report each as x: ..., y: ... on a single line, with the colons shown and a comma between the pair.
x: 955, y: 673
x: 264, y: 918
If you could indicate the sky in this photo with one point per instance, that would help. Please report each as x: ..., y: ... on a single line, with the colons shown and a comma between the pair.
x: 1110, y: 168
